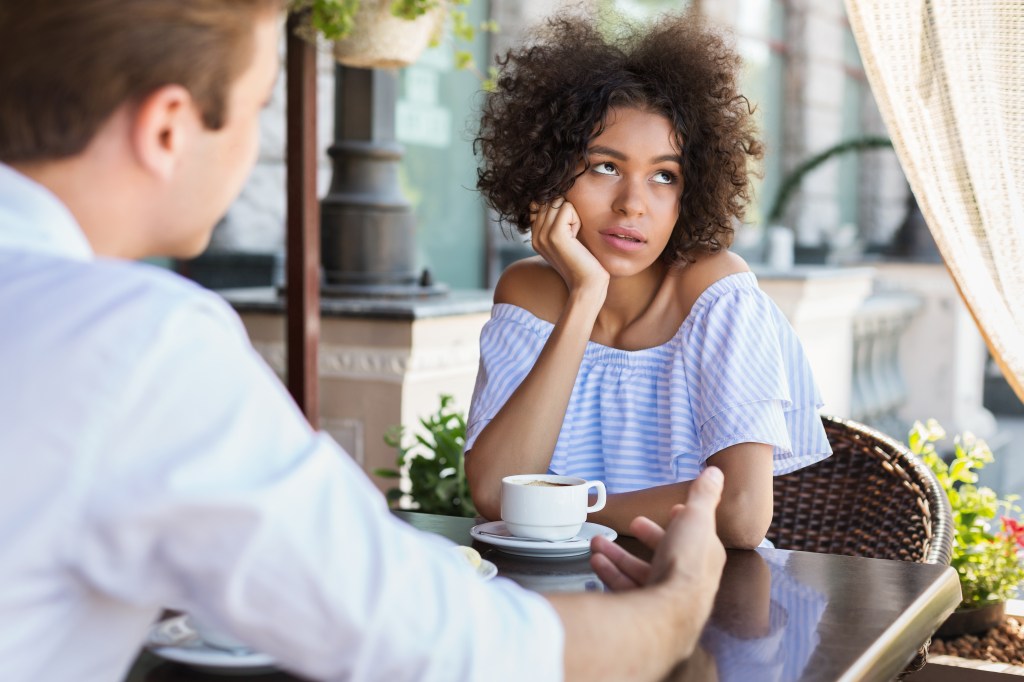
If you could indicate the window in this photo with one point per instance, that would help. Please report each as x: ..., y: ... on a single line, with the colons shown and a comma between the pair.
x: 854, y: 85
x: 760, y: 31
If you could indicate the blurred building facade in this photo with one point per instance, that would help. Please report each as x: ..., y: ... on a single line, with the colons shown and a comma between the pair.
x: 890, y: 340
x: 802, y: 73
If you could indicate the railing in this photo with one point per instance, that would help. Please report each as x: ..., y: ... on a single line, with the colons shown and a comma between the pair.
x: 878, y: 390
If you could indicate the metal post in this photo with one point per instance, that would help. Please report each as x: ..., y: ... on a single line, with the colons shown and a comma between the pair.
x: 302, y: 311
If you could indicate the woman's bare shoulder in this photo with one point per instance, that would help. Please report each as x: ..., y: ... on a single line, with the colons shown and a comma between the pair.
x: 696, y: 277
x: 533, y: 285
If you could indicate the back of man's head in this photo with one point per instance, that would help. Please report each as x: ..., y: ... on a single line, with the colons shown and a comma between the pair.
x: 67, y: 65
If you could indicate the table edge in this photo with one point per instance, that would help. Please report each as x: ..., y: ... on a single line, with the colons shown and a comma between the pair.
x: 919, y: 621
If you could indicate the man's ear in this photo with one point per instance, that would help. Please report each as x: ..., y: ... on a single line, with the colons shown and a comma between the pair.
x: 162, y: 126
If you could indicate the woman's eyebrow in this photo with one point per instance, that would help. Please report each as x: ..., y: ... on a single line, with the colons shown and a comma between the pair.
x: 673, y: 158
x: 616, y: 154
x: 608, y: 151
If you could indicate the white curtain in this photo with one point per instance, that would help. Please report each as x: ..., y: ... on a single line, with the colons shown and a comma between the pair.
x: 948, y: 76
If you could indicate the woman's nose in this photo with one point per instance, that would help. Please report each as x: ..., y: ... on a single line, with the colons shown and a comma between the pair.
x: 630, y: 200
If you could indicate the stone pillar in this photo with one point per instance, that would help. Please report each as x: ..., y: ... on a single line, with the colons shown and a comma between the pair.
x: 382, y: 362
x: 821, y: 304
x: 367, y: 226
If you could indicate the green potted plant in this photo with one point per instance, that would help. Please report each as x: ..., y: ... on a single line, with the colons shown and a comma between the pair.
x: 988, y: 543
x: 371, y: 34
x: 791, y: 183
x: 433, y: 465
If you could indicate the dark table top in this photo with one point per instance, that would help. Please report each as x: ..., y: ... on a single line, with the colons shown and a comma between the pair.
x: 779, y: 615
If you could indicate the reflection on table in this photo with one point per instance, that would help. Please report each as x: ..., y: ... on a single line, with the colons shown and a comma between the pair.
x: 779, y: 615
x: 764, y: 626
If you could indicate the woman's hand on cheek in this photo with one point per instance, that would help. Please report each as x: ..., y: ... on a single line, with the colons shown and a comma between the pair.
x: 554, y: 231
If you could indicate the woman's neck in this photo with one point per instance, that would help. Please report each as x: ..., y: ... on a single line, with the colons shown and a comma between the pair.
x: 630, y: 300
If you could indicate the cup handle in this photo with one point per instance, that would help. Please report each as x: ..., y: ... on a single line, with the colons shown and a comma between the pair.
x: 601, y: 496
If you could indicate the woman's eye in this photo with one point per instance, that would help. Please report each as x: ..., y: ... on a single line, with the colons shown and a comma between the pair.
x: 604, y: 168
x: 664, y: 177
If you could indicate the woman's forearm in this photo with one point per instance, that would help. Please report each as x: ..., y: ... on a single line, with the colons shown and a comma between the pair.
x: 522, y: 435
x: 654, y: 503
x: 743, y: 515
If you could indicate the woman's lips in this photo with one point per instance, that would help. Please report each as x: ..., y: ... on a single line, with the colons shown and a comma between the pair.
x: 623, y: 238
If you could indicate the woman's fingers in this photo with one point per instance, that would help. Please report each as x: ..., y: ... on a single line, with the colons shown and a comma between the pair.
x: 553, y: 223
x: 567, y: 215
x: 543, y: 219
x: 547, y: 212
x: 554, y: 231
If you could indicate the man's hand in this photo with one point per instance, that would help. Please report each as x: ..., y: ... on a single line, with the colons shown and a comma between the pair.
x: 688, y: 550
x: 658, y: 623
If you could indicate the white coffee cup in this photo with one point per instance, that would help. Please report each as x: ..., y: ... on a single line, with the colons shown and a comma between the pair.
x: 547, y: 507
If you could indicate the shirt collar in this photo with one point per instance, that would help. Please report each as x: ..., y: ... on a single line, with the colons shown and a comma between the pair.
x: 32, y: 218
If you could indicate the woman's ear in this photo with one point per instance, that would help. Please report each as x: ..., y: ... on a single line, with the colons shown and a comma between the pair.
x: 162, y: 125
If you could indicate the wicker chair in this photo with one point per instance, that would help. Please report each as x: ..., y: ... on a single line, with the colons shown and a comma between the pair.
x: 871, y: 498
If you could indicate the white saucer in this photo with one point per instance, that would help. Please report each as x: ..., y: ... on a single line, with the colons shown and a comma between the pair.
x: 513, y: 545
x: 195, y: 654
x: 486, y: 570
x: 217, y: 661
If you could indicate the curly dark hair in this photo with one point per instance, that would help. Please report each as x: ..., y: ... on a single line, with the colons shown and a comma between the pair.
x: 552, y: 97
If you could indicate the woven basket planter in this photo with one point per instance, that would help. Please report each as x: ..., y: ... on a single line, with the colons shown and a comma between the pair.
x: 380, y: 40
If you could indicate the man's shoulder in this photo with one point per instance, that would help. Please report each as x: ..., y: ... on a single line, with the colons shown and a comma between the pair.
x: 104, y: 301
x: 146, y: 279
x: 143, y: 289
x: 90, y: 333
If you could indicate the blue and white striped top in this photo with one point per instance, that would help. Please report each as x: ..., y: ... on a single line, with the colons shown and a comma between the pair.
x: 735, y: 372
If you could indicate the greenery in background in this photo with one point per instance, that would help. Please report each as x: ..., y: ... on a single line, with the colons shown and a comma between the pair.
x: 335, y: 20
x: 434, y: 464
x: 988, y: 545
x: 793, y: 179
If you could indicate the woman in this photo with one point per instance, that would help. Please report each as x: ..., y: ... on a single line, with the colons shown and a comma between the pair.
x: 635, y: 348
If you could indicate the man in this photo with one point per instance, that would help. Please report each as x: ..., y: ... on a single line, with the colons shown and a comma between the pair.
x: 151, y: 459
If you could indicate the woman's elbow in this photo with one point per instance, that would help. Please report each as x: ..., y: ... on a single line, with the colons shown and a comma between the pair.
x: 746, y: 532
x: 488, y: 508
x: 741, y: 540
x: 486, y: 498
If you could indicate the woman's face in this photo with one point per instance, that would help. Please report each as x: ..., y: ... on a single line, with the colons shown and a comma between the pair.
x: 628, y: 200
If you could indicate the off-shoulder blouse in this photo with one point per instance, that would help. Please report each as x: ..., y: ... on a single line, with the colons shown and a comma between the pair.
x: 734, y: 372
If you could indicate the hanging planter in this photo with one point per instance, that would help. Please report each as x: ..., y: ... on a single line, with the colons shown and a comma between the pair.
x: 382, y: 40
x: 388, y: 34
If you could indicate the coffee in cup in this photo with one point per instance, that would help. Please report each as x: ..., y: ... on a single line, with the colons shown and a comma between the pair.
x: 547, y: 506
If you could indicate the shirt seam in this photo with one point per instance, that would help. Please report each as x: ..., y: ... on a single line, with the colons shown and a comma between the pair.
x: 736, y: 439
x: 734, y: 406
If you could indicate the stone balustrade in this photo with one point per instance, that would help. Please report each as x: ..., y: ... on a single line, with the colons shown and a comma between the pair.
x: 887, y: 344
x: 879, y: 391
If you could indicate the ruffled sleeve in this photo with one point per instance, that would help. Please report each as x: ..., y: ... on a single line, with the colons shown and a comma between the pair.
x: 510, y: 343
x: 750, y: 382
